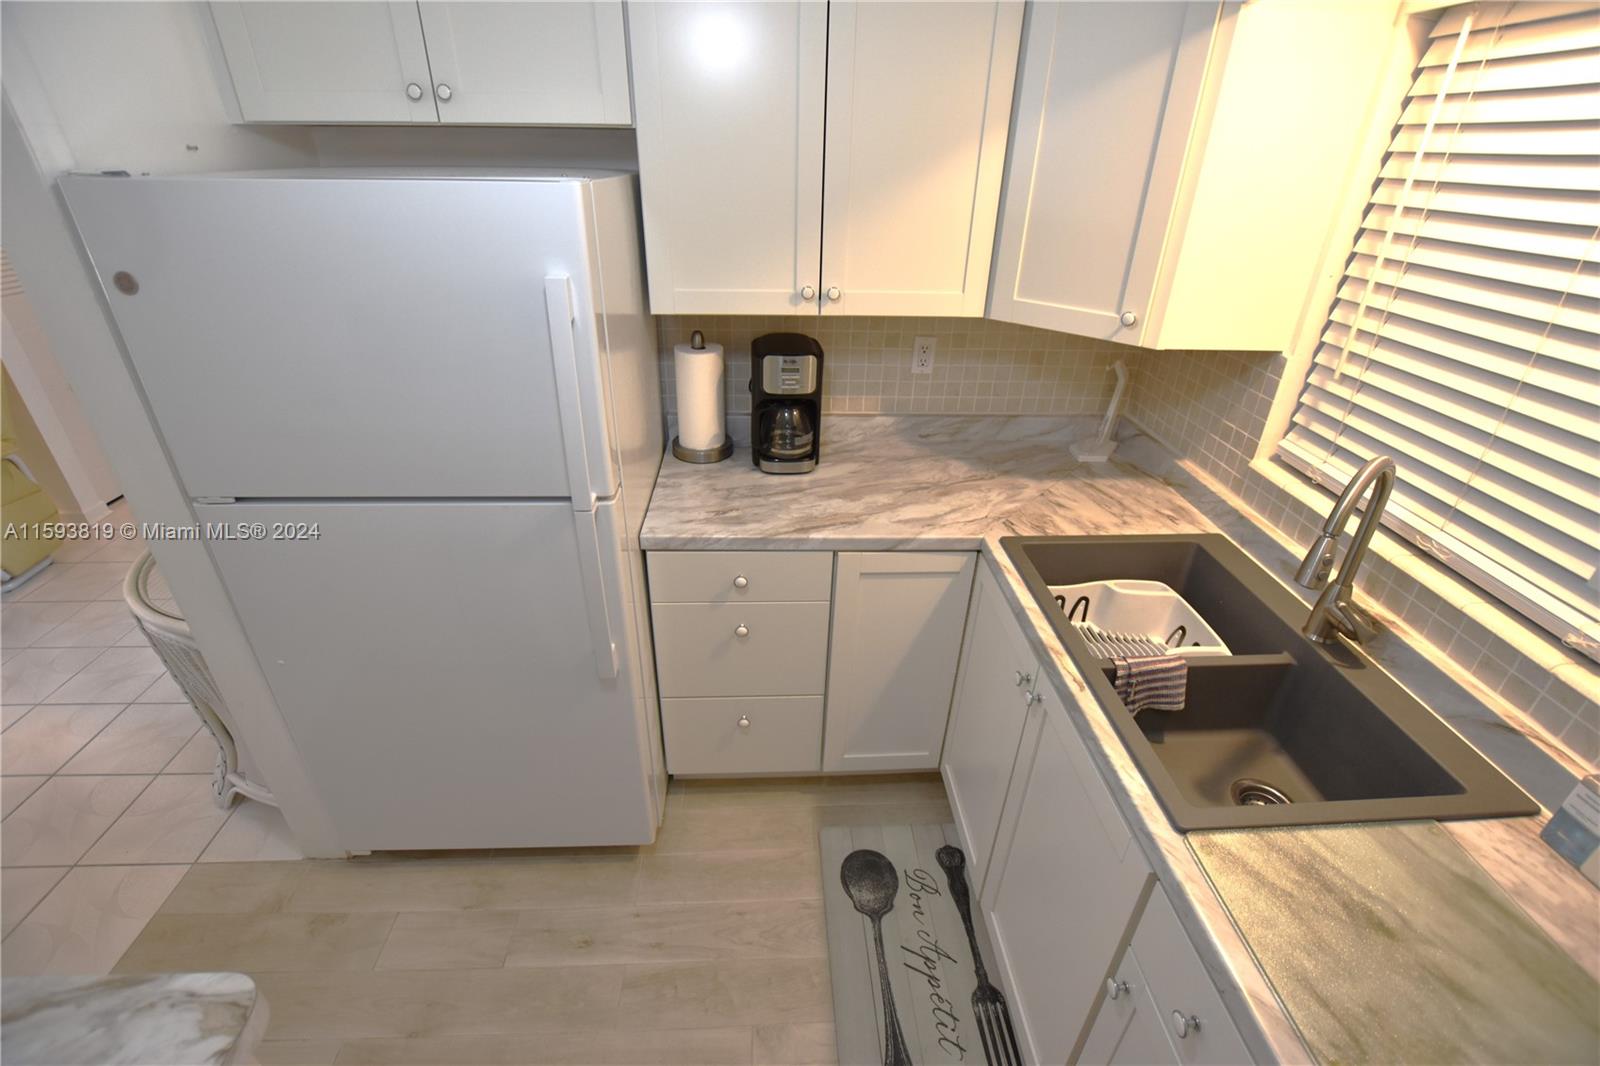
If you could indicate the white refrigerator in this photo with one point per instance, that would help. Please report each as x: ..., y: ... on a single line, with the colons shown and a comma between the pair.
x: 421, y: 413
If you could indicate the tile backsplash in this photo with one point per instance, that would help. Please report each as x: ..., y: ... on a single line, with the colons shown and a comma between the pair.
x: 1212, y: 408
x: 980, y: 367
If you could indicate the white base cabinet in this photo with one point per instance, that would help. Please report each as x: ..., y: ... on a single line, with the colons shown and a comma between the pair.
x: 897, y: 622
x: 993, y: 693
x: 1063, y: 886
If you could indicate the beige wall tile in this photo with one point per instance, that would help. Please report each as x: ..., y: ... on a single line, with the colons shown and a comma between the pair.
x: 451, y: 940
x: 705, y: 877
x: 658, y: 1047
x: 261, y: 944
x: 452, y: 884
x: 13, y: 790
x: 669, y: 933
x: 739, y: 992
x: 440, y: 1003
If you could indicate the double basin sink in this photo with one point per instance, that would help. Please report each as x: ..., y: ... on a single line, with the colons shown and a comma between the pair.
x: 1282, y: 732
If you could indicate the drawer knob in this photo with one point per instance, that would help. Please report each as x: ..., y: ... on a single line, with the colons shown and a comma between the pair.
x: 1184, y: 1024
x: 741, y: 630
x: 413, y: 91
x: 744, y: 721
x: 1030, y: 698
x: 1128, y: 318
x: 741, y: 582
x: 1024, y: 679
x: 1115, y: 988
x: 443, y: 91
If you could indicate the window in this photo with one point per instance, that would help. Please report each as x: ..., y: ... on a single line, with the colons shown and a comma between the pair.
x: 1465, y: 337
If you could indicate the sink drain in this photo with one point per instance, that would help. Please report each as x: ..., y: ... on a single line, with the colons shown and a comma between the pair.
x: 1248, y: 792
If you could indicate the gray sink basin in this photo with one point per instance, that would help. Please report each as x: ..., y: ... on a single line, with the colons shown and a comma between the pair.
x: 1283, y: 731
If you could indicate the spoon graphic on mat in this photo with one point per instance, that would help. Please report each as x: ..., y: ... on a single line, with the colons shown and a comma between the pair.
x: 871, y: 883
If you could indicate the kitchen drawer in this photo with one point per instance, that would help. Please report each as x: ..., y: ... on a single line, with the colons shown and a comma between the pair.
x: 714, y: 577
x: 743, y: 735
x: 700, y: 651
x: 1180, y: 986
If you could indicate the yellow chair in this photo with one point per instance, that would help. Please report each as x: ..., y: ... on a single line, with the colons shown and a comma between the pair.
x: 25, y: 549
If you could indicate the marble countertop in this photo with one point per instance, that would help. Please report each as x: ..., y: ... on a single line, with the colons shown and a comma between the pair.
x: 180, y: 1018
x: 963, y: 483
x: 932, y: 483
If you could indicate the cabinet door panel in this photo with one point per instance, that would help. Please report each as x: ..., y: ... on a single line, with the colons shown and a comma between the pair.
x: 729, y: 100
x: 897, y: 625
x: 1128, y: 1030
x: 980, y: 747
x: 542, y: 63
x: 325, y: 62
x: 1178, y: 982
x: 919, y: 101
x: 1059, y: 899
x: 1108, y: 99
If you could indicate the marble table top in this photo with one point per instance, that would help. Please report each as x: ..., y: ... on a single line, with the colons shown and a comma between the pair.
x: 171, y: 1019
x: 962, y: 483
x: 934, y: 483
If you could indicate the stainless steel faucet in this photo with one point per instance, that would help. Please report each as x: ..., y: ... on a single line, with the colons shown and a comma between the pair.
x: 1333, y: 615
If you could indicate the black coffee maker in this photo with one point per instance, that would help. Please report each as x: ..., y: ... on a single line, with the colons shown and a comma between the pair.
x: 785, y: 403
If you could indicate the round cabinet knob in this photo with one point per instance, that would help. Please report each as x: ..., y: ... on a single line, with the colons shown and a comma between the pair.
x: 1032, y: 697
x: 808, y: 292
x: 443, y: 91
x: 741, y: 630
x: 414, y: 91
x: 1023, y: 679
x: 744, y: 721
x: 1184, y: 1024
x: 1115, y: 988
x: 1128, y: 318
x: 833, y: 292
x: 741, y: 582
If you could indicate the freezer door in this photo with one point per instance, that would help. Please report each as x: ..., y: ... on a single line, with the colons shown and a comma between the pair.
x: 356, y: 337
x: 435, y: 670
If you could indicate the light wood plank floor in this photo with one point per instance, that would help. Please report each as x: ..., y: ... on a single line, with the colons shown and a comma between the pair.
x: 705, y: 948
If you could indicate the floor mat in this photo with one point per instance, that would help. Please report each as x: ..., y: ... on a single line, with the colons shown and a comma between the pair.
x: 925, y: 999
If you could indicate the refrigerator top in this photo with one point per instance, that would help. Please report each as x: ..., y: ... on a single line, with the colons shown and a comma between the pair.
x: 564, y: 174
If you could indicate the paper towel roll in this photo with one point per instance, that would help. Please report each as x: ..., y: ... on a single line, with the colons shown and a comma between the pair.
x: 700, y: 400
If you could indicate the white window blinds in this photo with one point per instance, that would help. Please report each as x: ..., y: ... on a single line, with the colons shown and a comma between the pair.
x: 1465, y: 336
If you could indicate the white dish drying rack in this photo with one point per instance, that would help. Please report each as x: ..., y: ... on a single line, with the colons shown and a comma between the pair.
x: 1134, y: 617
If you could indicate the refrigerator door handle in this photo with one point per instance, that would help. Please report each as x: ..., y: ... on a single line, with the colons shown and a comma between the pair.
x: 564, y: 354
x: 591, y: 569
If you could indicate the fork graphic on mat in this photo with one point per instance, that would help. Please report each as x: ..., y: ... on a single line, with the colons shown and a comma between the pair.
x: 988, y: 1002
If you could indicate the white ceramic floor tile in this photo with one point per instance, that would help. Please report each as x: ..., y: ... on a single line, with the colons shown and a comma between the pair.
x: 23, y: 623
x: 81, y: 582
x: 33, y: 673
x: 199, y: 756
x: 93, y: 625
x: 42, y: 742
x: 13, y: 790
x: 164, y: 690
x: 133, y: 638
x: 88, y: 920
x: 254, y: 832
x: 117, y: 675
x: 172, y: 821
x: 76, y: 551
x: 58, y: 823
x: 141, y: 740
x: 11, y: 713
x: 21, y: 888
x: 117, y: 551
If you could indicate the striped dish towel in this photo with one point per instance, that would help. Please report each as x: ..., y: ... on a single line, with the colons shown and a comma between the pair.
x: 1151, y: 682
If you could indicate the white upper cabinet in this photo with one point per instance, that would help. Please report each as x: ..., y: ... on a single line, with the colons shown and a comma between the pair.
x: 487, y: 63
x: 1175, y: 169
x: 326, y: 62
x: 919, y: 100
x: 742, y: 216
x: 730, y: 102
x: 543, y: 63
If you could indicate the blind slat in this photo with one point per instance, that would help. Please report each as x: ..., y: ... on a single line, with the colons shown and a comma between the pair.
x: 1516, y: 235
x: 1486, y: 15
x: 1552, y: 342
x: 1563, y: 34
x: 1490, y: 293
x: 1573, y: 173
x: 1543, y: 272
x: 1532, y: 72
x: 1560, y: 104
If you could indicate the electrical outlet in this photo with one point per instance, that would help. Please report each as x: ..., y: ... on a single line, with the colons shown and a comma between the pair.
x: 922, y: 355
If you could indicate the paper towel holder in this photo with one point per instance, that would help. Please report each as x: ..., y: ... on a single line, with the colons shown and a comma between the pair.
x: 697, y: 341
